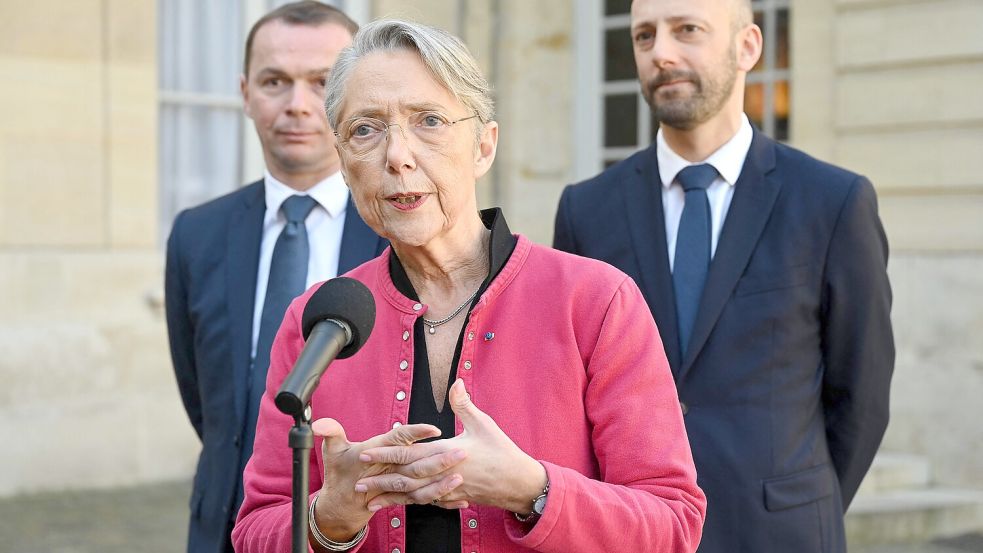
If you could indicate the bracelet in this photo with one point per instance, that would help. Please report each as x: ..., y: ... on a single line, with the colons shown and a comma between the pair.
x: 329, y: 543
x: 524, y: 518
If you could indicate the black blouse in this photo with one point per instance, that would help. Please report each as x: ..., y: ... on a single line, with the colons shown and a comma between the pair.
x: 432, y: 529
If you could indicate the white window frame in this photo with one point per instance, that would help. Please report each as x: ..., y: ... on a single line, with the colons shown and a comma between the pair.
x: 587, y: 103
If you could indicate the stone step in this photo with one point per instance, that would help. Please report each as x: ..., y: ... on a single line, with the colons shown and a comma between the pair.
x: 913, y: 516
x: 895, y: 471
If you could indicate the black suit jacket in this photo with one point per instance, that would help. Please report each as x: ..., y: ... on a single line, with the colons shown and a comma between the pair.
x: 210, y: 288
x: 785, y: 382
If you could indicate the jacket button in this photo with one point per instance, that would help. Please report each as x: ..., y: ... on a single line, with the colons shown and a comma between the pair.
x: 236, y: 441
x: 472, y: 524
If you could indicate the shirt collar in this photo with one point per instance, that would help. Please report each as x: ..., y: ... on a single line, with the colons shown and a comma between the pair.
x: 728, y: 160
x: 331, y: 193
x: 499, y: 250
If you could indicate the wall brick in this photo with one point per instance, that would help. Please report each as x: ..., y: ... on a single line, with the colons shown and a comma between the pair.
x: 934, y: 222
x: 917, y: 95
x: 910, y: 32
x: 926, y: 160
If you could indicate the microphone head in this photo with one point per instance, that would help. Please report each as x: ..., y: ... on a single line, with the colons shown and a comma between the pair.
x: 343, y: 299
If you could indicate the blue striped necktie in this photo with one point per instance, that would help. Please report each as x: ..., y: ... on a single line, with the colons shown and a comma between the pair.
x: 692, y: 257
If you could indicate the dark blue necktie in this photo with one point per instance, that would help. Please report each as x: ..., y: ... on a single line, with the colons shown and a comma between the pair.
x: 692, y: 260
x: 287, y: 280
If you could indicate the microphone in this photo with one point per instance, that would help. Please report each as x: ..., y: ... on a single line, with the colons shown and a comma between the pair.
x: 337, y: 321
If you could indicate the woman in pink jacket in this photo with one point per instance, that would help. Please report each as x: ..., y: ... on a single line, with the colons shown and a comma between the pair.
x: 541, y: 373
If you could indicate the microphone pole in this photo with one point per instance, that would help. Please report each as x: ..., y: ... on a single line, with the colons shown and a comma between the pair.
x: 326, y: 339
x: 301, y: 440
x: 337, y: 321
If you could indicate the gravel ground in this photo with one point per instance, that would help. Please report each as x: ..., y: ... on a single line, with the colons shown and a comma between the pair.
x: 144, y: 519
x: 153, y: 519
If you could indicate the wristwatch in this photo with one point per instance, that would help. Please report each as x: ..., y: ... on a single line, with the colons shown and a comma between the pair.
x: 538, y: 505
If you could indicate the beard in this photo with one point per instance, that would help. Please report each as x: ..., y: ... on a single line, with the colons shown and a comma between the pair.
x: 682, y: 110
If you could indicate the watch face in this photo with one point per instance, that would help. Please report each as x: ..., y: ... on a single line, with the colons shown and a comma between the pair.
x: 539, y: 505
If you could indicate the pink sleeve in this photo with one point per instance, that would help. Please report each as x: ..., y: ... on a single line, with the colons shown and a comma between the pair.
x: 647, y: 498
x: 263, y: 523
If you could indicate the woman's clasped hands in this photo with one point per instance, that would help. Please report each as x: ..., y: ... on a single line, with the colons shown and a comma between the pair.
x: 481, y: 465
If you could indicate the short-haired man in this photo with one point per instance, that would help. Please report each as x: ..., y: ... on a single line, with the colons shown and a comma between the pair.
x: 233, y: 264
x: 765, y: 270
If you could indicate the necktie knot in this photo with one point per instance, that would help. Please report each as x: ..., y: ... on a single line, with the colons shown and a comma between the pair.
x: 296, y: 208
x: 697, y: 177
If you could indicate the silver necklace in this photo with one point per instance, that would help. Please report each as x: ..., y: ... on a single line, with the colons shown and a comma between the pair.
x: 434, y: 324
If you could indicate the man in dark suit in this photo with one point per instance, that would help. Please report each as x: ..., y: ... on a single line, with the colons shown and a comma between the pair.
x: 765, y: 270
x: 234, y: 263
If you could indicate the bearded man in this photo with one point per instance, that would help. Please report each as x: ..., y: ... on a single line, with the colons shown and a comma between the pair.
x: 765, y: 270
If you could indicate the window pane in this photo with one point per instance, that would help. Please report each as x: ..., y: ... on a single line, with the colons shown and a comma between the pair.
x: 619, y: 59
x: 199, y: 157
x: 781, y: 110
x: 781, y: 42
x: 754, y: 104
x: 617, y: 7
x: 759, y: 20
x: 621, y: 120
x: 200, y: 46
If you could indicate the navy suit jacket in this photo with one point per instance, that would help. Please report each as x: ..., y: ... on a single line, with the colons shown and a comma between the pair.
x: 210, y: 289
x: 786, y: 378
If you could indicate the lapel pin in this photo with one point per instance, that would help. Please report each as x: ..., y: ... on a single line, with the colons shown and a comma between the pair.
x: 489, y: 336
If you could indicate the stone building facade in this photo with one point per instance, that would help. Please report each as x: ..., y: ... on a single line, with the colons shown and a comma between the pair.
x: 888, y: 88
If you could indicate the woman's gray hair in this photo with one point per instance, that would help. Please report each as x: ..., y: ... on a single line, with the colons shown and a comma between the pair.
x: 447, y: 58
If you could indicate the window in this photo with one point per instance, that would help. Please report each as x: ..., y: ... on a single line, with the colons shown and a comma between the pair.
x: 201, y: 123
x: 766, y: 99
x: 626, y: 124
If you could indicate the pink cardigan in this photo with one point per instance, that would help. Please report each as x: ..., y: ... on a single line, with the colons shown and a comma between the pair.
x: 563, y: 354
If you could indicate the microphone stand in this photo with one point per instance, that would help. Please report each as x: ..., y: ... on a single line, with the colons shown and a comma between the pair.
x: 301, y: 440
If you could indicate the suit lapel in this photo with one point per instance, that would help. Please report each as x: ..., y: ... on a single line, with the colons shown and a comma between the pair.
x: 359, y: 243
x: 646, y: 221
x: 754, y: 197
x: 245, y: 233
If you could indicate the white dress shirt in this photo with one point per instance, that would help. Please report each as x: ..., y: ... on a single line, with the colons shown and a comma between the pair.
x: 728, y: 160
x: 324, y: 228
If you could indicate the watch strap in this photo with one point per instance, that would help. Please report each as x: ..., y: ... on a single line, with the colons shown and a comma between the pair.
x: 538, y: 505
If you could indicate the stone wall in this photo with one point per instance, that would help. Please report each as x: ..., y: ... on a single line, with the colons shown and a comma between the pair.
x: 88, y: 399
x: 888, y: 88
x: 883, y: 87
x: 938, y: 382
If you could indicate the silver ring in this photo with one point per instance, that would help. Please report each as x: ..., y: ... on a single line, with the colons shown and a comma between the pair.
x: 435, y: 502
